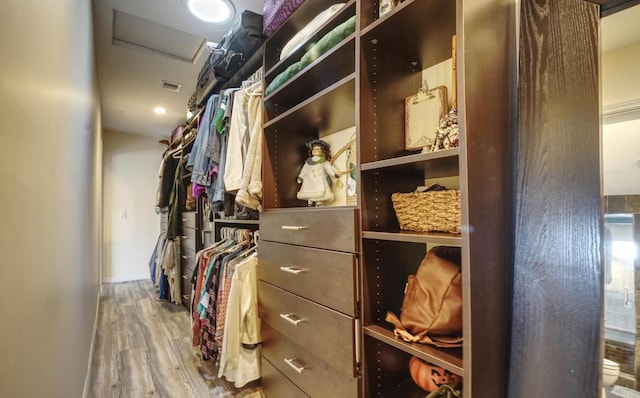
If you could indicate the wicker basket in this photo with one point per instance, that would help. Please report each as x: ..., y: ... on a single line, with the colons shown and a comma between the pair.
x: 428, y: 211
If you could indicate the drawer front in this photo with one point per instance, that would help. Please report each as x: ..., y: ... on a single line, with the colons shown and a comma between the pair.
x: 310, y: 373
x: 333, y: 229
x: 187, y: 291
x: 326, y: 333
x: 189, y: 219
x: 187, y: 260
x: 326, y: 277
x: 189, y: 239
x: 275, y: 385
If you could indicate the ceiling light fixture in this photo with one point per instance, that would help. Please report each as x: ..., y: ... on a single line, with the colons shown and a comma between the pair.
x: 159, y: 110
x: 214, y: 11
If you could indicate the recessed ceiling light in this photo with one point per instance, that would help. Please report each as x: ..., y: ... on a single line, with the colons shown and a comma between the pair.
x: 159, y: 110
x: 214, y: 11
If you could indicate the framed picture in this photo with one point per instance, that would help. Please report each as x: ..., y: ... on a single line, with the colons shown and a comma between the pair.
x: 423, y: 112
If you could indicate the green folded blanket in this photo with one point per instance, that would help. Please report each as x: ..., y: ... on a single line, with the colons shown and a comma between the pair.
x: 327, y: 42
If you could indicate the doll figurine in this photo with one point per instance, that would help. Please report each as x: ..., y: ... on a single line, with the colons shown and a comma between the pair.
x: 317, y: 175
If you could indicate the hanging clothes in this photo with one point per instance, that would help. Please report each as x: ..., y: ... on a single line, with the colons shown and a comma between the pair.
x: 240, y: 352
x: 250, y: 190
x: 213, y: 283
x: 199, y: 159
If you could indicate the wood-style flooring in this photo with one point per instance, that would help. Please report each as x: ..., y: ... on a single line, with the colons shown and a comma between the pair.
x: 143, y: 349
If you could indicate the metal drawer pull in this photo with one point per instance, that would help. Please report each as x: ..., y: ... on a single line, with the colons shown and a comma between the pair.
x: 185, y: 237
x: 291, y: 363
x: 291, y: 318
x: 186, y: 277
x: 293, y: 270
x: 185, y: 296
x: 186, y: 257
x: 185, y: 219
x: 294, y: 227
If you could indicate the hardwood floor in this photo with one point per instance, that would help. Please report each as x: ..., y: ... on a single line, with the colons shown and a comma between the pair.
x: 143, y: 349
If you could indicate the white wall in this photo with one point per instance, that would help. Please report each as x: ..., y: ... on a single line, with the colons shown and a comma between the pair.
x: 131, y: 163
x: 620, y: 77
x: 49, y: 197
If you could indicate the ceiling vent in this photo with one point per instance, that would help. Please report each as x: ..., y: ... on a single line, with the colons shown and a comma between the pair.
x: 171, y: 86
x: 142, y: 34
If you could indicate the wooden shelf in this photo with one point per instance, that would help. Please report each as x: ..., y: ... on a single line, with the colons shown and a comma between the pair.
x: 415, y: 237
x: 234, y: 221
x: 329, y: 68
x: 320, y: 113
x: 406, y: 389
x: 419, y: 158
x: 274, y: 65
x: 423, y: 27
x: 447, y: 358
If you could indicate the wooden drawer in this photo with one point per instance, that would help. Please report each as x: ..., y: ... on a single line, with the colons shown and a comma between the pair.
x: 187, y: 260
x: 189, y: 219
x: 310, y: 373
x: 326, y: 333
x: 185, y: 285
x: 275, y: 385
x: 324, y: 228
x: 189, y: 238
x: 326, y: 277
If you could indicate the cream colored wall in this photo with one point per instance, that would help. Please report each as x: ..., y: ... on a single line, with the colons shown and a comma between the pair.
x: 50, y: 196
x: 620, y: 77
x: 131, y: 164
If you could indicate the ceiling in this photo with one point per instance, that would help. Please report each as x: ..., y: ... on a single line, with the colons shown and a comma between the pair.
x: 168, y: 48
x: 130, y: 76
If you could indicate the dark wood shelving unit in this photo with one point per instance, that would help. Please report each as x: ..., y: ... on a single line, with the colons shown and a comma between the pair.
x: 314, y: 78
x: 436, y: 238
x: 387, y: 74
x: 317, y: 113
x: 447, y: 358
x: 274, y: 65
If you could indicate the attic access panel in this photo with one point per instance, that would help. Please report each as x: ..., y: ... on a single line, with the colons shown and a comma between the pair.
x: 142, y: 34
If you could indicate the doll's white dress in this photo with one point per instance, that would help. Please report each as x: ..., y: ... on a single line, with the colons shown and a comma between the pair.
x: 315, y: 177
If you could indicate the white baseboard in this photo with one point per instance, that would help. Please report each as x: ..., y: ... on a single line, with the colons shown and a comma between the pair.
x: 125, y: 278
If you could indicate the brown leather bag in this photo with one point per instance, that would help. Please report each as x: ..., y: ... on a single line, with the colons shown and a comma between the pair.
x: 432, y: 307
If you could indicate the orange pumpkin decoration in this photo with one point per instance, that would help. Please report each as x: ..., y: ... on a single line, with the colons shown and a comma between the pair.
x: 430, y: 377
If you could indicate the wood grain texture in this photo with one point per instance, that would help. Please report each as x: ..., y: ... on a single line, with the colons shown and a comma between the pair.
x: 487, y: 60
x: 143, y: 348
x: 557, y: 232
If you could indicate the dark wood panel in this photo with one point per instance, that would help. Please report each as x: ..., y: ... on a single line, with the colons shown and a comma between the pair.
x: 331, y: 228
x: 608, y: 7
x: 557, y: 233
x: 327, y: 334
x: 314, y: 376
x: 487, y: 59
x: 276, y: 385
x: 324, y: 276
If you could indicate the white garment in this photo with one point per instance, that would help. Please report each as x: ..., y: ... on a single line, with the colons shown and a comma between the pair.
x: 238, y: 142
x: 171, y: 266
x: 315, y: 184
x: 250, y: 192
x: 238, y: 364
x: 309, y: 29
